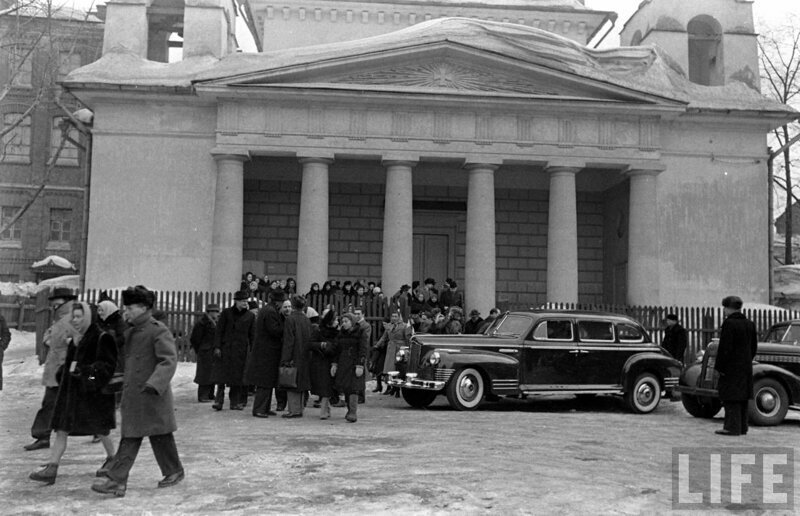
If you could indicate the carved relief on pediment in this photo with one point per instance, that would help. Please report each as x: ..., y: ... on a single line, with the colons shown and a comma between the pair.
x: 453, y: 76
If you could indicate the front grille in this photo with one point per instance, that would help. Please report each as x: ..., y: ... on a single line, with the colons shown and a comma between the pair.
x: 670, y: 381
x: 413, y: 359
x: 443, y: 375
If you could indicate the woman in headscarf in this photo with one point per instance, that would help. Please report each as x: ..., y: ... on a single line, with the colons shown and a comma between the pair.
x: 82, y: 406
x: 350, y: 364
x: 323, y: 352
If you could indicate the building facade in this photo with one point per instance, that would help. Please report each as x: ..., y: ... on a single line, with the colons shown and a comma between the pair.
x: 505, y: 155
x: 38, y: 49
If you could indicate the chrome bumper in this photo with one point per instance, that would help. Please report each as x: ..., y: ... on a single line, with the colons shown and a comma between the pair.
x: 412, y: 382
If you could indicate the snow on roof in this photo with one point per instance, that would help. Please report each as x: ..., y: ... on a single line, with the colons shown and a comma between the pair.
x: 58, y: 261
x: 645, y: 69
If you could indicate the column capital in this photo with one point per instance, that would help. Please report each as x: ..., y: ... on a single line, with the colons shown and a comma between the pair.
x: 565, y: 165
x: 644, y: 169
x: 324, y: 161
x: 481, y: 166
x: 398, y: 163
x: 220, y: 153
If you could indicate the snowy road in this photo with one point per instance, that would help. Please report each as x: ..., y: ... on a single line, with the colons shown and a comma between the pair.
x: 514, y: 457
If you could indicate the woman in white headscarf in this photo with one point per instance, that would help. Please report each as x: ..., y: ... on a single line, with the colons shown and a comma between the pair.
x: 82, y: 406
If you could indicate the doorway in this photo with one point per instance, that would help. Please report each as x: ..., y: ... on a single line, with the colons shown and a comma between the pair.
x: 434, y: 245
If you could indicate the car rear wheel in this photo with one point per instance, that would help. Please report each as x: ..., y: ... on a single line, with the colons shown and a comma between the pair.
x: 697, y: 406
x: 770, y: 403
x: 418, y: 398
x: 644, y: 395
x: 465, y: 389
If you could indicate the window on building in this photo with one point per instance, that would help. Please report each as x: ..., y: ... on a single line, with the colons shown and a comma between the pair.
x: 69, y: 154
x: 67, y: 61
x: 60, y: 225
x: 20, y: 65
x: 16, y: 143
x: 14, y: 232
x: 705, y: 51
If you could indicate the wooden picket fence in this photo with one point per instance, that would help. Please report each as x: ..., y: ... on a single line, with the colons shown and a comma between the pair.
x: 182, y: 309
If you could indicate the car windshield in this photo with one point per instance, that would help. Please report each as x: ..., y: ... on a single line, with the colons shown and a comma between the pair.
x: 511, y: 326
x: 784, y: 333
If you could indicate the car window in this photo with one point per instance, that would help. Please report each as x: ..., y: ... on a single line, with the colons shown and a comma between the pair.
x: 512, y: 326
x: 629, y: 333
x: 554, y: 329
x: 793, y: 335
x: 776, y: 334
x: 596, y: 331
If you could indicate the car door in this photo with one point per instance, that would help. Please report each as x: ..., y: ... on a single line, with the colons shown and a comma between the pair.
x: 549, y: 355
x: 605, y: 348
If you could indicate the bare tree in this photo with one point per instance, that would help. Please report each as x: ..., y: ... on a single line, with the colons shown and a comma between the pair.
x: 779, y: 52
x: 27, y: 32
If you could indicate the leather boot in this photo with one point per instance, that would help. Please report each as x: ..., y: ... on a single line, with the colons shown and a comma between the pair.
x: 324, y: 408
x: 110, y: 487
x: 103, y: 471
x: 352, y: 408
x: 47, y: 474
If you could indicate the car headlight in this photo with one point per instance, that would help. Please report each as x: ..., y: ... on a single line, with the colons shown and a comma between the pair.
x: 434, y: 359
x: 401, y: 355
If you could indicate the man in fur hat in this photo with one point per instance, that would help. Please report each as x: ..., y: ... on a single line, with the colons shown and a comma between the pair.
x: 147, y: 409
x: 236, y: 331
x: 262, y: 367
x: 56, y: 340
x: 202, y: 339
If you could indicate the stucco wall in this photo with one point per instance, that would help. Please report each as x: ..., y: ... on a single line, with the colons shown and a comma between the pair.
x: 153, y: 181
x: 713, y: 221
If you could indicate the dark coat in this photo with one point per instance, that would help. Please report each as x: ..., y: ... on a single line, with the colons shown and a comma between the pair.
x: 234, y: 338
x: 116, y: 326
x: 81, y: 407
x: 202, y: 339
x: 262, y: 366
x: 675, y: 341
x: 5, y: 340
x: 472, y: 327
x: 296, y: 348
x: 150, y: 359
x: 352, y: 352
x: 322, y: 356
x: 737, y: 348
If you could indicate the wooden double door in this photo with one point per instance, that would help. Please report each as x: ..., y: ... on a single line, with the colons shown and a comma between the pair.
x: 434, y: 245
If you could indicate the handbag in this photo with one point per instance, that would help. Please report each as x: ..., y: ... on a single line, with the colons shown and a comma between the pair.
x: 287, y: 377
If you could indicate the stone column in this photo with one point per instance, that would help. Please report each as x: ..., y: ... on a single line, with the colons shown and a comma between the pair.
x: 312, y: 235
x: 227, y: 237
x: 480, y: 267
x: 643, y: 276
x: 398, y: 227
x: 562, y: 236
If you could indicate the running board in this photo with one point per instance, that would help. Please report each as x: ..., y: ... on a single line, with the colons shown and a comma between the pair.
x: 572, y: 391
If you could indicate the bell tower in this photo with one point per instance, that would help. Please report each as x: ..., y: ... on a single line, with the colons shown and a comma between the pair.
x: 714, y: 41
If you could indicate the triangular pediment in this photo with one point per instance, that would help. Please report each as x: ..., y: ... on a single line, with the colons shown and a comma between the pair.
x: 445, y: 68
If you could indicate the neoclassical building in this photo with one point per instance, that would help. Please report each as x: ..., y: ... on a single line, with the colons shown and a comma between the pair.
x: 485, y: 142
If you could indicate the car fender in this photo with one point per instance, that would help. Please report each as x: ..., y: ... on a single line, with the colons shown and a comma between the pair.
x: 492, y: 364
x: 690, y: 376
x: 790, y: 381
x: 665, y: 367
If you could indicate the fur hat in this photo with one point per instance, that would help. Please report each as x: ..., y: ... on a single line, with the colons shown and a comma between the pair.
x: 241, y: 295
x: 138, y: 295
x: 212, y: 307
x: 62, y: 293
x: 733, y: 302
x: 672, y: 317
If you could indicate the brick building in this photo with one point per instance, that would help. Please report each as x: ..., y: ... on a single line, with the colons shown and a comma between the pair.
x: 37, y: 49
x: 481, y: 141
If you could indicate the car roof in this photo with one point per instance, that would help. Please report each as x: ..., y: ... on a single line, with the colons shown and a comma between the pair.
x: 579, y: 314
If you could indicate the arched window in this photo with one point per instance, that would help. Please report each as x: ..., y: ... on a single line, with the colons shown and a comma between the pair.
x: 705, y: 51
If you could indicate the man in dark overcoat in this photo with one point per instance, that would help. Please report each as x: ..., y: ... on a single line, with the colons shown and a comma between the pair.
x: 737, y: 348
x: 296, y: 349
x: 236, y: 331
x: 147, y: 408
x: 262, y: 366
x: 202, y: 339
x: 675, y: 338
x: 5, y: 340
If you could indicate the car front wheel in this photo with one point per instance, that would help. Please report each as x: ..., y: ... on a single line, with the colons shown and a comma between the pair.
x: 770, y: 403
x: 418, y: 398
x: 644, y: 395
x: 697, y: 406
x: 465, y: 389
